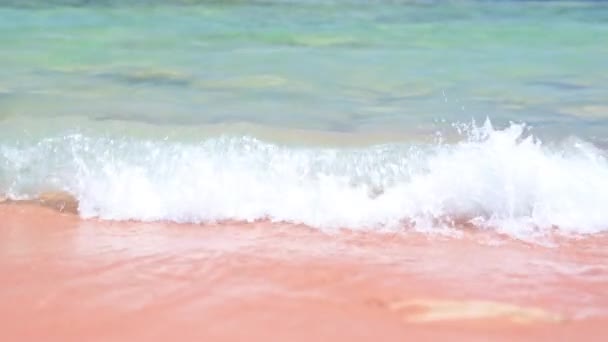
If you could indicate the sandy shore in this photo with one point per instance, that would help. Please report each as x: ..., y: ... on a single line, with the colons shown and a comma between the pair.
x: 66, y: 279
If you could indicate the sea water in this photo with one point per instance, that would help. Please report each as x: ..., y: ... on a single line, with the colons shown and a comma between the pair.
x: 374, y: 115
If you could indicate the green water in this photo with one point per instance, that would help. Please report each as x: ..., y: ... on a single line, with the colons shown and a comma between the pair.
x: 381, y: 69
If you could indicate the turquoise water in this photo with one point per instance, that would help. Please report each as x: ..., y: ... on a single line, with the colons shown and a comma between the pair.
x: 329, y: 113
x: 370, y: 67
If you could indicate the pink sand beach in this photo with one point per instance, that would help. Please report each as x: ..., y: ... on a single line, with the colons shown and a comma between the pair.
x: 68, y: 279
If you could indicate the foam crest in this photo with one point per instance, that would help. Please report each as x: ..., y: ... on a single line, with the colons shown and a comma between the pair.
x: 496, y: 179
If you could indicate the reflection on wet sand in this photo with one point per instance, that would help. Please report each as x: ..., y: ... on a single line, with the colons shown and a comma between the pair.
x: 65, y: 279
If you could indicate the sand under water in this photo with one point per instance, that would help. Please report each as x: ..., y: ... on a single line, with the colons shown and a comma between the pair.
x: 69, y: 279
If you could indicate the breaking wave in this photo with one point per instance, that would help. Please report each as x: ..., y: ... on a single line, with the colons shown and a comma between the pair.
x: 495, y: 179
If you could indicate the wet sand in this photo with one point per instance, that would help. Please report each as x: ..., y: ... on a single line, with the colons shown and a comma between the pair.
x: 67, y: 279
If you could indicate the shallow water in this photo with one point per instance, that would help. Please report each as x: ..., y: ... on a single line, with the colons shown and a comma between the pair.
x: 338, y: 66
x: 329, y: 113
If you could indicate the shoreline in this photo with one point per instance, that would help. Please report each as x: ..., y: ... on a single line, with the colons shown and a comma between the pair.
x: 72, y: 279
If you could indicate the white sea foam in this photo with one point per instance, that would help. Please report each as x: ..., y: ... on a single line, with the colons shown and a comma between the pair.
x: 498, y: 179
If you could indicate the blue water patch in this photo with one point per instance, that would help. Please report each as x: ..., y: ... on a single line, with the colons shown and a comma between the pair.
x: 329, y: 66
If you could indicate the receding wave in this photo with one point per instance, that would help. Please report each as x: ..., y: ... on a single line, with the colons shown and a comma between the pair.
x: 493, y: 179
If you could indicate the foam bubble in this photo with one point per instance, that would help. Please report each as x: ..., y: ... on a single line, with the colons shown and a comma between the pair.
x: 496, y: 179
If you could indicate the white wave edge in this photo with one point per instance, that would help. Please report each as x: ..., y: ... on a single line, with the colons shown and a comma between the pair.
x: 499, y: 179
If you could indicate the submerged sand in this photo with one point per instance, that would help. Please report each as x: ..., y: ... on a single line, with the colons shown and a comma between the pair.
x: 67, y: 279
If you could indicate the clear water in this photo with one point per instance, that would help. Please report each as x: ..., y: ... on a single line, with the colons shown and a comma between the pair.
x: 308, y: 78
x: 335, y: 66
